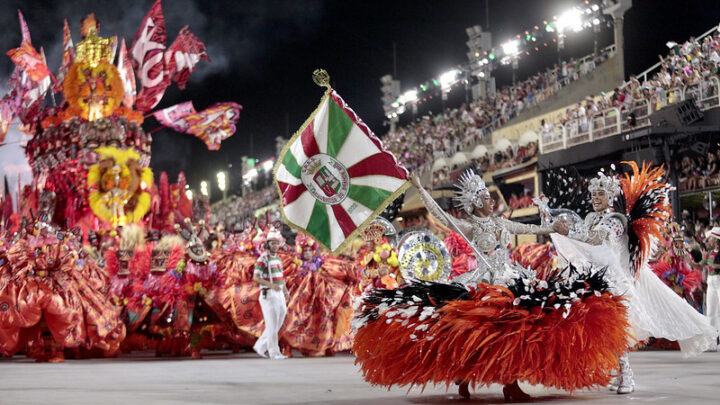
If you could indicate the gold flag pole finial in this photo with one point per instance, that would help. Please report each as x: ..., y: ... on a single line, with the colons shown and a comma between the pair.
x: 321, y: 78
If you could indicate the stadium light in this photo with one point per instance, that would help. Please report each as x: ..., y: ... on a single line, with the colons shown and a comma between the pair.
x: 204, y: 188
x: 222, y: 185
x: 570, y: 20
x: 221, y: 180
x: 268, y: 165
x: 189, y: 194
x: 409, y: 96
x: 511, y: 48
x: 448, y: 78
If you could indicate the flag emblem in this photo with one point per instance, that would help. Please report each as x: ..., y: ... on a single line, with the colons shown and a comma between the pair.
x: 326, y: 179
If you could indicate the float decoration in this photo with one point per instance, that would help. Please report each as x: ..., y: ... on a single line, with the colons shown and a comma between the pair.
x: 118, y: 185
x: 101, y: 107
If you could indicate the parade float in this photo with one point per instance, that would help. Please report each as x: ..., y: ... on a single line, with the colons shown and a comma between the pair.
x: 76, y: 272
x: 84, y: 128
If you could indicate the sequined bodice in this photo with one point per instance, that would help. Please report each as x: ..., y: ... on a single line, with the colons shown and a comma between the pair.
x: 489, y: 234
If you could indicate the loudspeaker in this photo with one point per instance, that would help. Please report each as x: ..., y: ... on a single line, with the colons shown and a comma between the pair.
x: 648, y: 155
x: 677, y: 115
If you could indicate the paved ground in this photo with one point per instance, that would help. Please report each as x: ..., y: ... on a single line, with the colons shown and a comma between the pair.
x: 662, y: 378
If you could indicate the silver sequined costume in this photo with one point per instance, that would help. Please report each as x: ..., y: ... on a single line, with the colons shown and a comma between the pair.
x: 653, y: 308
x: 491, y: 237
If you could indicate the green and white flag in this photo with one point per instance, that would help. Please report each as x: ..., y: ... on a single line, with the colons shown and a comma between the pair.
x: 335, y: 176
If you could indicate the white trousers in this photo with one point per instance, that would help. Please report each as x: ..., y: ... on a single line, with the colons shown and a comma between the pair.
x: 712, y: 300
x: 274, y: 309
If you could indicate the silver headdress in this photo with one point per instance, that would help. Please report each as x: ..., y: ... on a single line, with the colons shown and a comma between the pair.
x: 611, y: 185
x: 471, y: 187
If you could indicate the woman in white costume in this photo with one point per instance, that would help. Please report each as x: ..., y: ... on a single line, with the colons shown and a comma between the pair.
x: 712, y: 295
x: 623, y: 242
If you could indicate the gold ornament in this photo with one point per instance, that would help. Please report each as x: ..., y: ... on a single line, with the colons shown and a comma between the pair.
x: 119, y: 186
x: 321, y: 78
x: 93, y: 49
x: 93, y: 87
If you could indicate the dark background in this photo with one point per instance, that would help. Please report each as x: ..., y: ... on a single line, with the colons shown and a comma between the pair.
x: 263, y: 54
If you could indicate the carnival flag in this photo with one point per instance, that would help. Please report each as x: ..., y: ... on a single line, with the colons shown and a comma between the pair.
x: 182, y: 56
x: 68, y: 57
x: 38, y: 91
x: 174, y: 117
x: 7, y: 116
x: 147, y: 51
x: 26, y: 95
x: 334, y: 176
x: 212, y: 125
x: 127, y: 76
x: 24, y: 28
x: 30, y: 61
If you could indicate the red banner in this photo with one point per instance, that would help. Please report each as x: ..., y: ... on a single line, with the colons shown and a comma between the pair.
x: 182, y: 56
x: 127, y: 76
x: 68, y: 57
x: 148, y: 52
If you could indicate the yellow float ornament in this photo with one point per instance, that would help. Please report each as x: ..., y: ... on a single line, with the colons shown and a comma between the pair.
x: 118, y: 186
x: 93, y: 87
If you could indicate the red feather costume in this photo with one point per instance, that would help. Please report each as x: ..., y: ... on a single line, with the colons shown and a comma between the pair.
x: 51, y: 299
x: 321, y: 288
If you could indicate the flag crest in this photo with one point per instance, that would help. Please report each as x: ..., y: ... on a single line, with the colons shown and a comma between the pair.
x: 334, y: 176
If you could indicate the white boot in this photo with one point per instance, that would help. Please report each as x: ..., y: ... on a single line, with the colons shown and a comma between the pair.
x: 627, y: 382
x: 614, y: 382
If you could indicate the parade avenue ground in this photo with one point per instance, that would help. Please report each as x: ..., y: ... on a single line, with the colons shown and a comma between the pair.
x: 662, y: 377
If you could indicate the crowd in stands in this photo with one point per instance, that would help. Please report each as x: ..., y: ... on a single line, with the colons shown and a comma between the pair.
x: 233, y: 210
x: 429, y: 138
x: 696, y: 171
x: 505, y: 155
x: 692, y: 63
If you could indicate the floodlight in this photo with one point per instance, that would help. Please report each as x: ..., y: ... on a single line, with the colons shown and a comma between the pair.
x: 571, y: 20
x: 448, y: 78
x: 510, y: 48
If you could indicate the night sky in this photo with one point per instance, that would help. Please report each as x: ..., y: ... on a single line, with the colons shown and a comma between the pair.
x: 263, y: 54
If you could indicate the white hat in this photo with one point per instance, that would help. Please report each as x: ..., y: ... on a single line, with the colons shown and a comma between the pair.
x: 502, y: 144
x: 527, y: 137
x: 714, y: 232
x: 439, y: 164
x: 274, y: 235
x: 458, y: 158
x: 480, y: 151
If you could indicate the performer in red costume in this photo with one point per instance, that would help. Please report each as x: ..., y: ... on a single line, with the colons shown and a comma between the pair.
x: 51, y: 299
x: 676, y: 269
x: 239, y: 294
x: 128, y: 261
x: 321, y: 288
x: 155, y: 293
x: 210, y: 324
x: 377, y: 259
